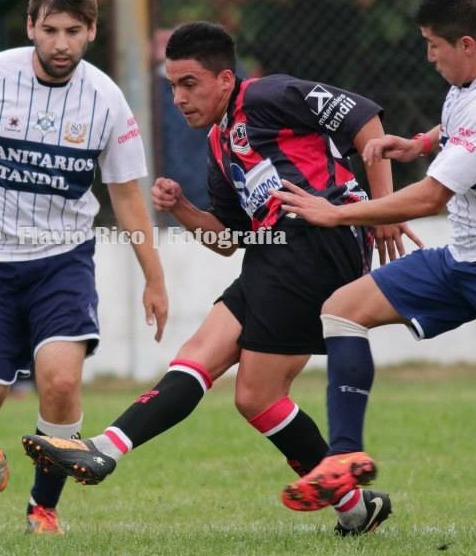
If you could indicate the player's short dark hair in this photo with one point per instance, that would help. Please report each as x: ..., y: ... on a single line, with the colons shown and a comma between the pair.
x: 206, y: 42
x: 83, y: 10
x: 449, y: 19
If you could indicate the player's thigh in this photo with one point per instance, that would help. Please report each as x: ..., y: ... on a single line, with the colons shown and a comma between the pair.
x: 215, y: 344
x: 363, y: 302
x: 264, y: 378
x: 63, y: 303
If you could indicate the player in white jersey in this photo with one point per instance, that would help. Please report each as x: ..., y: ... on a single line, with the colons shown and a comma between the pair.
x: 61, y: 119
x: 431, y: 290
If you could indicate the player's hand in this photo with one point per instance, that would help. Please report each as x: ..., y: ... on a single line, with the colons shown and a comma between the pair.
x: 316, y: 210
x: 392, y: 147
x: 389, y: 241
x: 166, y: 193
x: 156, y: 306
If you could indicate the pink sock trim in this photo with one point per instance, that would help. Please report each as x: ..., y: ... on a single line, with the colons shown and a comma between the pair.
x: 355, y: 498
x: 200, y: 369
x: 118, y: 443
x: 275, y: 417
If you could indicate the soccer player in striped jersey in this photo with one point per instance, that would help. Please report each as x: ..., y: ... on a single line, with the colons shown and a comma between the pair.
x: 61, y: 119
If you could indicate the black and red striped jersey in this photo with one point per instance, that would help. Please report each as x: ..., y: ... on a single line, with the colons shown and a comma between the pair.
x: 280, y: 127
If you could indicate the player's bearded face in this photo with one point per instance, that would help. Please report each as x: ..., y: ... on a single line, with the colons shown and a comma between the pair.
x: 60, y: 43
x: 58, y: 65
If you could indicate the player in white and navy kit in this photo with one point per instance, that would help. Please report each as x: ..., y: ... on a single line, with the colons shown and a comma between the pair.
x: 61, y: 119
x: 431, y: 290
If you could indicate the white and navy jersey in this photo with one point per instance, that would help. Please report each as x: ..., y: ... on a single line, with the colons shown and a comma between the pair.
x: 455, y: 168
x: 52, y: 139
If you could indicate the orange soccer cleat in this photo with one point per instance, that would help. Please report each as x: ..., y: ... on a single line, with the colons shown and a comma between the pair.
x: 43, y: 521
x: 329, y: 481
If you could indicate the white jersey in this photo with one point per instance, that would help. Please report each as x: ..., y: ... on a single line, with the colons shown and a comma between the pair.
x: 52, y: 138
x: 455, y: 167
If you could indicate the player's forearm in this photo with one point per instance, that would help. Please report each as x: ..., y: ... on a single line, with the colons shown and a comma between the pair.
x: 428, y: 141
x: 379, y: 175
x: 380, y: 180
x: 132, y: 216
x: 424, y: 198
x: 194, y: 219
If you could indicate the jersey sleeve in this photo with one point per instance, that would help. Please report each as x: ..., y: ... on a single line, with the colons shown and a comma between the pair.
x: 123, y: 158
x: 455, y: 164
x: 307, y: 105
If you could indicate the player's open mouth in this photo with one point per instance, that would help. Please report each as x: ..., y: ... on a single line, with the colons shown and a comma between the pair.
x: 61, y: 61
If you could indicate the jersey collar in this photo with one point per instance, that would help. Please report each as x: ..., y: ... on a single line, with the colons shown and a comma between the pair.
x: 228, y: 115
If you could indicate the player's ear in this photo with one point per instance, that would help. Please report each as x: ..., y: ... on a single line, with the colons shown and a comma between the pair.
x: 469, y: 44
x: 92, y: 32
x: 227, y: 78
x: 29, y: 28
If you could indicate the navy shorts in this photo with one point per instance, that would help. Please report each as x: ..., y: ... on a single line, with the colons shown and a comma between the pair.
x: 46, y: 300
x: 430, y: 289
x: 278, y: 296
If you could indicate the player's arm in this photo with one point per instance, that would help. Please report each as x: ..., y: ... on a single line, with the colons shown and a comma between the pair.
x: 388, y: 237
x: 427, y: 197
x: 131, y: 213
x: 399, y: 148
x: 167, y: 196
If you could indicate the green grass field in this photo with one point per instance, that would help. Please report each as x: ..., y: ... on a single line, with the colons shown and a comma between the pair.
x: 211, y: 486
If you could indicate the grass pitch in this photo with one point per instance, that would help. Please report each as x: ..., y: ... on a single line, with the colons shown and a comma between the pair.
x: 211, y: 485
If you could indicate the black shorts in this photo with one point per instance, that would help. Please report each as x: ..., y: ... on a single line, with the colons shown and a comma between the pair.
x: 281, y: 289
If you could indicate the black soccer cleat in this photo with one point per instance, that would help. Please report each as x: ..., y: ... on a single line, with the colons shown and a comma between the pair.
x: 78, y: 458
x: 379, y: 508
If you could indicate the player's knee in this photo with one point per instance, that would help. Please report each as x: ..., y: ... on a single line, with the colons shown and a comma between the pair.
x: 333, y: 326
x: 247, y: 404
x: 330, y: 305
x: 60, y: 388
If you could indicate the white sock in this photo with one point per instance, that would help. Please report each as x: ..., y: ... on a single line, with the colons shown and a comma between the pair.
x: 113, y: 443
x: 72, y: 430
x: 351, y: 510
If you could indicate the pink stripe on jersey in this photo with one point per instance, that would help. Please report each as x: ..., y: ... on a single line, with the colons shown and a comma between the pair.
x: 191, y: 367
x: 276, y: 417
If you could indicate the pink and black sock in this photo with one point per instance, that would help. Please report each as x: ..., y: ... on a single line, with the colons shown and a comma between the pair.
x: 173, y: 398
x: 293, y: 433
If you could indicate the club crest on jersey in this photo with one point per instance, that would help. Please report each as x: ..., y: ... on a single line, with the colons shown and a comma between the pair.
x: 13, y: 124
x: 45, y: 122
x: 239, y: 139
x: 75, y: 133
